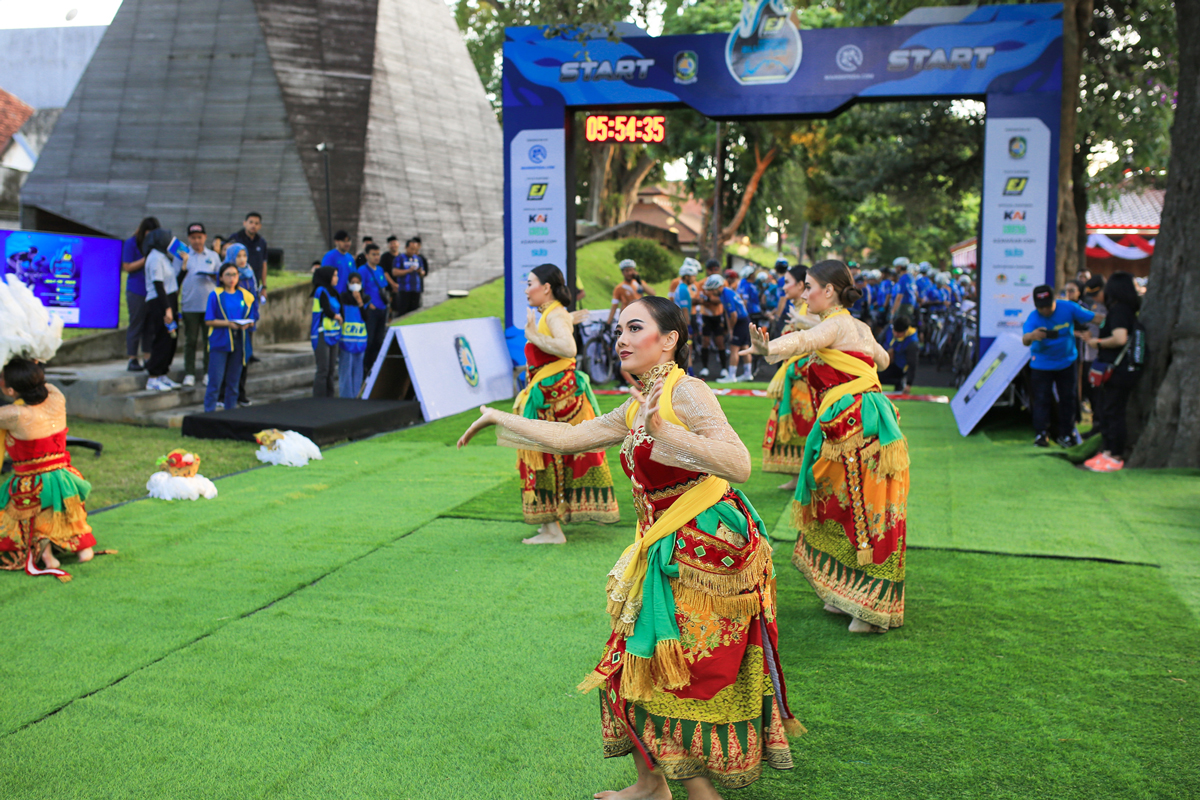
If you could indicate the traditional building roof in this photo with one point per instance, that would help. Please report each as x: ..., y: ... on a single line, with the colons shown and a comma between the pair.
x: 1128, y: 211
x: 13, y: 114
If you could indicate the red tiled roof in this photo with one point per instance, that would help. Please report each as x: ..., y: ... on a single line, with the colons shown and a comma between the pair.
x: 1128, y: 210
x: 13, y: 114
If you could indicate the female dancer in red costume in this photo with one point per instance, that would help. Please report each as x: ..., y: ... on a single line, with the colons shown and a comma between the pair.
x: 690, y: 679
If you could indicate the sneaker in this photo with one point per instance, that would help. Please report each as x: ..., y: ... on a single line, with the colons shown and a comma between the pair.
x: 724, y: 374
x: 1114, y: 464
x: 189, y: 381
x: 244, y: 403
x: 206, y: 379
x: 1102, y: 462
x: 1042, y: 440
x: 135, y: 366
x: 167, y: 382
x: 704, y: 372
x: 745, y: 377
x: 157, y: 385
x: 219, y: 407
x: 1065, y: 442
x: 727, y: 378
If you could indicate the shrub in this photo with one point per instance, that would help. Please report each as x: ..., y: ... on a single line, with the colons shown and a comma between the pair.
x: 653, y: 260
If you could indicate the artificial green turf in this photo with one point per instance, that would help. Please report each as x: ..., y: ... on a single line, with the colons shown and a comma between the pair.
x: 318, y: 632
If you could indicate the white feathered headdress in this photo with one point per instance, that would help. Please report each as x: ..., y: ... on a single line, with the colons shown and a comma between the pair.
x: 27, y: 330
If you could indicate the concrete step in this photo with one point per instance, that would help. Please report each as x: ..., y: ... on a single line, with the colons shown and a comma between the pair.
x: 145, y: 401
x: 173, y: 417
x: 132, y: 382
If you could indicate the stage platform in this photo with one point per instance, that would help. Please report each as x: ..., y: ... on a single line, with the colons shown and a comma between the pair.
x: 323, y: 419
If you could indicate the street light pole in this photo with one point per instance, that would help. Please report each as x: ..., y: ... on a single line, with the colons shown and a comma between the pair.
x: 323, y: 148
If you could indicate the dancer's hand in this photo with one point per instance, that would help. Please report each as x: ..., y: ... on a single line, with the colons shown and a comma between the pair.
x: 650, y: 405
x: 487, y: 416
x: 530, y: 319
x: 760, y: 340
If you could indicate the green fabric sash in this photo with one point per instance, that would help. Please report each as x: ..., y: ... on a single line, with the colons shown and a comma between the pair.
x: 656, y: 621
x: 537, y: 399
x: 57, y: 486
x: 878, y: 419
x: 789, y: 377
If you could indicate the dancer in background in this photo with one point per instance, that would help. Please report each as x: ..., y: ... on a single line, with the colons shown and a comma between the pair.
x: 692, y: 600
x: 793, y: 414
x: 852, y: 496
x: 558, y: 488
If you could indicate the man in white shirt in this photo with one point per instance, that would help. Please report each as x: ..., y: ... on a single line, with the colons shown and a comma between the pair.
x: 162, y: 294
x: 199, y: 281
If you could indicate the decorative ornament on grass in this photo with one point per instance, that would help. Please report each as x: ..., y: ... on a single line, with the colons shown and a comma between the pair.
x: 178, y: 478
x: 285, y: 447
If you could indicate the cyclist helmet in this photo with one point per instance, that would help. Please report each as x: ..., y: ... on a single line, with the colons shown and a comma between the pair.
x: 943, y: 279
x: 924, y: 267
x: 628, y: 263
x: 748, y: 271
x: 900, y: 261
x: 690, y: 267
x: 762, y: 277
x: 713, y: 283
x: 781, y: 262
x: 964, y: 280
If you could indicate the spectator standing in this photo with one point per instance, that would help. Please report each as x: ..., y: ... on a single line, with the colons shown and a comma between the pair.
x: 229, y: 315
x: 326, y: 330
x: 900, y: 342
x: 387, y: 262
x: 361, y: 258
x: 133, y: 264
x: 340, y: 259
x: 237, y: 255
x: 353, y: 343
x: 1049, y: 333
x: 162, y: 296
x: 256, y: 250
x: 905, y: 301
x: 738, y: 324
x: 1117, y: 368
x: 199, y: 281
x: 1092, y: 300
x: 409, y: 270
x: 375, y: 312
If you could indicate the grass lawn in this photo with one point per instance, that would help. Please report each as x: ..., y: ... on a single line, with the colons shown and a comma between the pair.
x: 370, y: 626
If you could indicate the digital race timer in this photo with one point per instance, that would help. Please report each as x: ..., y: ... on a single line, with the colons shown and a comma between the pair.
x: 622, y: 128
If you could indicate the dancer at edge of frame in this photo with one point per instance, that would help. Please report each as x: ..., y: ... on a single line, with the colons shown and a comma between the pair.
x: 690, y: 679
x: 558, y: 488
x: 793, y: 414
x: 42, y: 502
x: 852, y: 497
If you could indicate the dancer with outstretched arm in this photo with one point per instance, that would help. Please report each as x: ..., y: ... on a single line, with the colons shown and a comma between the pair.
x: 690, y: 679
x: 851, y: 501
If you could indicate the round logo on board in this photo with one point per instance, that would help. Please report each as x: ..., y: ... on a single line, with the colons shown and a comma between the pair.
x: 849, y: 58
x: 466, y: 360
x: 1017, y: 147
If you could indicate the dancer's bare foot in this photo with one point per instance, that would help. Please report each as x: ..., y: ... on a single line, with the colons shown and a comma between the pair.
x: 701, y: 789
x: 789, y: 485
x: 85, y: 554
x: 654, y: 788
x: 550, y: 533
x: 833, y: 609
x: 48, y: 559
x: 858, y: 626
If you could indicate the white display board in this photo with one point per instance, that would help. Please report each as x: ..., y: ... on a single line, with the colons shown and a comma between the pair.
x: 1017, y: 222
x: 454, y: 366
x: 1001, y: 363
x: 538, y: 218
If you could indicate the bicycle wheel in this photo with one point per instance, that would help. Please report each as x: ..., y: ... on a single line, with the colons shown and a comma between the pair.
x: 600, y: 359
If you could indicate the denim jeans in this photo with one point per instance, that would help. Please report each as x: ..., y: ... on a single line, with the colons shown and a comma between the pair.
x: 224, y: 367
x: 350, y: 370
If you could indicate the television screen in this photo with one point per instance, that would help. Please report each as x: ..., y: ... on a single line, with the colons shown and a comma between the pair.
x: 77, y: 278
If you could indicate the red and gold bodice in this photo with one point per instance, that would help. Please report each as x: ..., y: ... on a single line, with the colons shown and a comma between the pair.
x: 38, y: 456
x: 821, y: 377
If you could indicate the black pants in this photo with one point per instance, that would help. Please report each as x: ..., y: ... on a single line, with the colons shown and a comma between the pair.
x: 1044, y: 384
x: 406, y: 302
x: 162, y: 343
x: 1114, y: 398
x: 376, y: 319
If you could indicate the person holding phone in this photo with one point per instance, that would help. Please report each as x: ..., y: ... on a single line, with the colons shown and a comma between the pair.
x: 1049, y: 333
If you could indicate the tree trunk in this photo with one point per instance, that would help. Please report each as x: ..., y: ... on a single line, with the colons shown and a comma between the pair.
x: 602, y: 156
x: 718, y: 178
x: 1077, y: 18
x: 760, y: 167
x: 1079, y: 178
x: 632, y: 184
x: 1165, y: 412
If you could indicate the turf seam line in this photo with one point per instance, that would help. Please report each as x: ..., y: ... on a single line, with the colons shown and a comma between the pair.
x: 1097, y: 559
x: 216, y: 630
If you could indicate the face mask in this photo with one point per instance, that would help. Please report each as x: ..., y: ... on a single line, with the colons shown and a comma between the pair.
x: 356, y: 287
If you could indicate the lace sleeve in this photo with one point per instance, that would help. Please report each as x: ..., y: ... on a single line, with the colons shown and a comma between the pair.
x: 561, y: 341
x: 561, y: 438
x: 882, y: 359
x: 794, y: 344
x: 711, y: 445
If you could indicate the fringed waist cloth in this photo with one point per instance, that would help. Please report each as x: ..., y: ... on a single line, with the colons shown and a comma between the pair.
x: 851, y: 507
x: 572, y: 488
x: 42, y: 500
x: 790, y: 420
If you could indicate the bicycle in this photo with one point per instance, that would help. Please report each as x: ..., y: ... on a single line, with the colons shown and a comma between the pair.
x: 600, y: 354
x: 965, y: 350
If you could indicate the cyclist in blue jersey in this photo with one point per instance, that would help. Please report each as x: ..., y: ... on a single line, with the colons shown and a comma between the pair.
x: 738, y: 323
x: 749, y: 292
x: 905, y: 301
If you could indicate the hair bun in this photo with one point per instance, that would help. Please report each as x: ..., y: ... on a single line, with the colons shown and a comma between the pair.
x: 851, y: 295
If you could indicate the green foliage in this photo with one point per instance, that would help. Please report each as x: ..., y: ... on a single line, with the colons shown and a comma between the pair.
x: 653, y: 260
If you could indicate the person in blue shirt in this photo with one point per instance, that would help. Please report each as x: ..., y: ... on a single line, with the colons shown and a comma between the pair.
x: 738, y: 324
x: 749, y: 292
x: 229, y: 308
x: 905, y: 301
x: 925, y: 280
x: 326, y: 330
x: 353, y: 342
x: 341, y: 259
x: 239, y: 256
x: 900, y: 342
x: 375, y: 311
x: 137, y: 336
x: 887, y: 291
x: 1049, y: 333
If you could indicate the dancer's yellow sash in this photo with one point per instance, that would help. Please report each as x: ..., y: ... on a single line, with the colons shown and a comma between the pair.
x: 546, y: 370
x: 775, y: 387
x: 865, y: 376
x: 625, y: 606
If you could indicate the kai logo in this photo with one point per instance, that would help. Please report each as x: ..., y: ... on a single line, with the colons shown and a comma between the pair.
x: 1013, y: 187
x: 539, y: 218
x: 537, y: 191
x: 623, y: 69
x: 923, y: 58
x: 1014, y: 215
